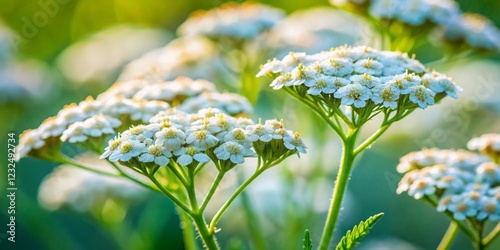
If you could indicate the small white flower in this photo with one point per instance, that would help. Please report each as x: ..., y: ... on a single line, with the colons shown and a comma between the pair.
x: 489, y: 209
x: 281, y: 81
x: 368, y: 66
x: 366, y: 80
x: 320, y: 84
x: 422, y: 187
x: 75, y: 133
x: 274, y: 66
x: 172, y: 138
x: 127, y: 150
x: 386, y: 94
x: 489, y: 172
x: 294, y: 142
x: 70, y: 114
x: 29, y: 140
x: 157, y: 154
x: 232, y: 151
x: 422, y: 96
x: 187, y: 155
x: 337, y: 66
x: 241, y: 136
x: 260, y: 132
x: 460, y: 209
x: 113, y: 145
x: 450, y: 182
x: 447, y: 86
x: 100, y: 124
x: 353, y: 94
x: 52, y: 127
x: 201, y: 139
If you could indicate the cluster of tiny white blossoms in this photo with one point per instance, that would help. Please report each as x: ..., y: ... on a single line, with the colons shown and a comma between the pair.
x: 230, y: 103
x: 168, y: 91
x: 246, y: 21
x: 85, y: 191
x: 185, y: 94
x: 465, y: 183
x: 208, y: 135
x: 361, y: 76
x: 193, y: 57
x: 476, y: 30
x: 125, y: 104
x: 90, y: 120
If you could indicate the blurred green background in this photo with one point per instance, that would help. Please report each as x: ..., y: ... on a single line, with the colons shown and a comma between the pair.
x: 43, y: 37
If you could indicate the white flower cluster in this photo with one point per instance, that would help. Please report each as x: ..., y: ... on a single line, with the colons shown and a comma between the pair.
x: 246, y: 20
x: 169, y: 91
x: 467, y: 184
x: 85, y: 191
x: 361, y: 75
x: 88, y: 119
x: 198, y: 138
x: 185, y: 56
x: 476, y: 30
x: 183, y: 93
x: 230, y: 103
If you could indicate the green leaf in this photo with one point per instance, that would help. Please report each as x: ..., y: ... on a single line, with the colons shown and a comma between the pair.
x: 308, y: 245
x: 352, y: 237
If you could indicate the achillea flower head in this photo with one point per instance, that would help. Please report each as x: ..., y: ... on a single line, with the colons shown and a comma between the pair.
x: 193, y: 57
x: 189, y: 139
x: 465, y: 183
x: 245, y: 21
x: 360, y: 77
x: 445, y: 15
x: 475, y: 30
x: 230, y: 103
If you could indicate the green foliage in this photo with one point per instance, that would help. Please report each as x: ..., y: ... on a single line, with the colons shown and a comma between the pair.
x: 352, y: 237
x: 307, y: 241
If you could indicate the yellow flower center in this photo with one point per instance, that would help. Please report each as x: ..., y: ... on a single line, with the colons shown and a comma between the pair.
x: 126, y: 148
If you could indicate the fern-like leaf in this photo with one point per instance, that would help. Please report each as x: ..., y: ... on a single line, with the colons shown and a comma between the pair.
x: 307, y: 241
x: 352, y: 237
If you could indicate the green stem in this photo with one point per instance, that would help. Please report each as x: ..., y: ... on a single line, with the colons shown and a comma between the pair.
x: 177, y: 202
x: 491, y: 236
x: 188, y: 233
x: 368, y: 142
x: 479, y: 243
x: 318, y: 111
x: 212, y: 190
x: 177, y: 174
x: 448, y: 237
x: 69, y: 161
x: 124, y: 174
x: 238, y: 191
x: 339, y: 189
x: 207, y: 236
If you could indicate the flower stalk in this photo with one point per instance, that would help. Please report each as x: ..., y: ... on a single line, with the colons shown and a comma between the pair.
x: 346, y: 164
